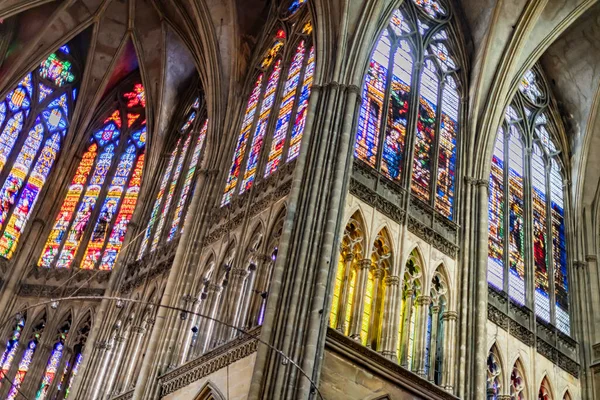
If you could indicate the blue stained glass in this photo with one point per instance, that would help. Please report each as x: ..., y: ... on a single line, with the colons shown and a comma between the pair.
x: 496, y: 216
x: 106, y: 134
x: 139, y: 138
x: 2, y: 113
x: 65, y: 49
x: 44, y: 91
x: 74, y: 94
x: 516, y: 232
x: 62, y: 103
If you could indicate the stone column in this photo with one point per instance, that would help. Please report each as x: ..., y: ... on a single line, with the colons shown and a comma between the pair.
x: 343, y: 300
x: 423, y: 303
x: 408, y: 309
x: 262, y: 286
x: 115, y: 364
x: 303, y: 276
x: 480, y: 350
x: 374, y: 332
x: 449, y: 366
x: 104, y: 358
x: 391, y: 312
x: 213, y: 293
x: 192, y: 320
x: 358, y: 305
x: 435, y: 317
x: 248, y: 296
x: 137, y: 337
x: 236, y: 296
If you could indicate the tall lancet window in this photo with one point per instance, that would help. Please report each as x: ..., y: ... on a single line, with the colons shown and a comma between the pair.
x: 412, y: 85
x: 276, y: 110
x: 527, y: 239
x: 177, y: 181
x: 90, y: 227
x: 34, y: 121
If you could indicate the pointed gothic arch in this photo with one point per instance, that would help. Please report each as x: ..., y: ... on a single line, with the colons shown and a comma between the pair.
x: 412, y: 290
x: 209, y: 392
x: 495, y: 373
x: 545, y: 391
x: 518, y: 381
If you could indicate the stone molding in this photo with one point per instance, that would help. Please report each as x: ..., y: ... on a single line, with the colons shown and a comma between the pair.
x: 208, y: 363
x: 394, y: 212
x: 386, y: 369
x: 31, y: 290
x: 124, y: 396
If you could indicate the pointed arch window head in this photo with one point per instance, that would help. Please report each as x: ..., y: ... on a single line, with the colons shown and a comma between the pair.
x: 91, y: 224
x: 544, y: 393
x: 527, y: 203
x: 517, y: 382
x: 276, y: 111
x: 176, y: 183
x: 419, y: 94
x: 34, y: 120
x: 494, y: 375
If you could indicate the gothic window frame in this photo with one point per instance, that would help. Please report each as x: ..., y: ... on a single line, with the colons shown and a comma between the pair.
x: 37, y: 146
x: 518, y: 372
x: 249, y: 167
x: 178, y: 175
x: 436, y: 334
x: 495, y: 374
x: 531, y: 122
x: 406, y: 25
x: 412, y: 289
x: 125, y: 101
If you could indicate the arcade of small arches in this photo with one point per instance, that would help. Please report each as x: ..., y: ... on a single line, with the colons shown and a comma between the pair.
x: 400, y: 215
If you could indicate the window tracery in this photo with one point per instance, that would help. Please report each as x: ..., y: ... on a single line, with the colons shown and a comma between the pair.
x: 34, y: 121
x: 177, y: 181
x: 412, y: 288
x: 527, y: 195
x: 109, y: 175
x: 276, y: 110
x: 544, y: 393
x: 434, y: 341
x: 517, y: 382
x: 494, y: 375
x: 405, y: 92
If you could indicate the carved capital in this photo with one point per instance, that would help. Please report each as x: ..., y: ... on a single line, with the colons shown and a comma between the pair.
x: 213, y: 288
x: 392, y: 280
x: 578, y: 264
x: 591, y: 258
x: 239, y: 273
x: 423, y: 300
x: 138, y: 329
x: 349, y: 257
x: 365, y: 263
x: 450, y: 316
x: 378, y: 273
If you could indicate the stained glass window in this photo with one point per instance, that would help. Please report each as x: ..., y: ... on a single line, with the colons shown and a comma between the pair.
x: 390, y: 84
x: 494, y: 376
x: 285, y: 110
x: 534, y: 196
x: 41, y: 103
x: 22, y: 369
x: 51, y: 370
x: 11, y: 348
x: 187, y: 184
x: 291, y: 79
x: 103, y: 192
x: 496, y: 216
x: 517, y: 383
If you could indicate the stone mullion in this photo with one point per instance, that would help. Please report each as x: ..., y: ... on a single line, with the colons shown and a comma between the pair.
x: 66, y: 356
x: 358, y: 304
x: 36, y: 369
x: 394, y: 44
x: 273, y: 117
x: 238, y: 277
x: 81, y: 196
x: 180, y: 352
x: 322, y: 175
x: 343, y: 299
x: 528, y: 219
x: 374, y: 334
x: 178, y: 325
x: 420, y: 334
x: 389, y: 328
x: 435, y: 320
x: 549, y: 244
x: 137, y: 333
x: 163, y: 200
x: 506, y: 212
x: 408, y: 310
x: 12, y: 371
x: 116, y: 362
x: 294, y: 113
x: 178, y: 187
x: 435, y: 152
x: 83, y: 242
x: 252, y: 131
x: 9, y: 164
x: 222, y: 312
x: 211, y: 308
x: 411, y: 128
x: 448, y: 363
x: 113, y: 221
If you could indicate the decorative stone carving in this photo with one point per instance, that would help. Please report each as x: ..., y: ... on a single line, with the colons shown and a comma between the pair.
x: 497, y: 317
x: 522, y: 333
